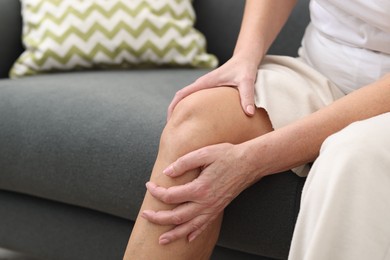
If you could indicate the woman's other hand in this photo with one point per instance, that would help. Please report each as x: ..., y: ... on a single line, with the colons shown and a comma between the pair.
x: 224, y: 174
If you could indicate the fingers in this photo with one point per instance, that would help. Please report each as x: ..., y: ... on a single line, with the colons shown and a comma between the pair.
x: 246, y: 91
x: 245, y: 87
x: 179, y: 215
x: 189, y: 230
x: 174, y: 194
x: 190, y: 218
x: 179, y: 96
x: 196, y: 159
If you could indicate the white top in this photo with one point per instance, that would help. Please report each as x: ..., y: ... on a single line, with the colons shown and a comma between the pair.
x: 349, y: 41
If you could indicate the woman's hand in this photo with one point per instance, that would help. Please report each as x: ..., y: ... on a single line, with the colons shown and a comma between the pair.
x: 236, y: 72
x: 224, y: 174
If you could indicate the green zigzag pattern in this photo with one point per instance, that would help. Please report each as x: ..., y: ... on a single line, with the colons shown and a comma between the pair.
x: 109, y: 13
x: 59, y: 2
x: 35, y: 58
x: 110, y: 34
x: 99, y: 48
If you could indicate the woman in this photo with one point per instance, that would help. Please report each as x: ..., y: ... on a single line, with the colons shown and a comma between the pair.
x: 258, y: 115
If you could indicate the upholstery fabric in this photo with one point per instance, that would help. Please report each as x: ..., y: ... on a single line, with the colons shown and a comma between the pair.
x: 85, y: 137
x: 66, y: 227
x: 76, y: 34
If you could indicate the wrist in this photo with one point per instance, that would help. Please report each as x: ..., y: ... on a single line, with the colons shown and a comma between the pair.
x: 245, y: 63
x: 249, y: 55
x: 252, y: 165
x: 248, y: 58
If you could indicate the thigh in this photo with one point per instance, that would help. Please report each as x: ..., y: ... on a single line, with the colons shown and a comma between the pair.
x: 367, y: 138
x: 359, y: 151
x: 289, y: 89
x: 346, y: 198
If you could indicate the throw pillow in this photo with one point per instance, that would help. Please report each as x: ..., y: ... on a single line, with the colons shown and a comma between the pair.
x: 79, y: 34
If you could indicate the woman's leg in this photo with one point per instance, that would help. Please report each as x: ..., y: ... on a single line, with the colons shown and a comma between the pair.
x: 345, y: 209
x: 206, y: 117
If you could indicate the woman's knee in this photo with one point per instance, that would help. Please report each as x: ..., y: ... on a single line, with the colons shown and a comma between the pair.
x: 190, y: 127
x: 204, y: 105
x: 213, y: 116
x: 191, y: 122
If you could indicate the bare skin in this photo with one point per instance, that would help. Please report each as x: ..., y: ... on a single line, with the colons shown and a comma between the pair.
x: 216, y: 144
x: 207, y: 117
x: 239, y: 166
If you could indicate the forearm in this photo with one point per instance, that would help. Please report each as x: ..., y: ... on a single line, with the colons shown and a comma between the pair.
x: 262, y: 21
x: 300, y: 142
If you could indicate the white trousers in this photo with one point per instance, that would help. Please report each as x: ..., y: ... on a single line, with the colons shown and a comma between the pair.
x: 345, y: 205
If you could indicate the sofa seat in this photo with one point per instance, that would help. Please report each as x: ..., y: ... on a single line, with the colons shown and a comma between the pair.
x: 87, y: 139
x: 90, y: 139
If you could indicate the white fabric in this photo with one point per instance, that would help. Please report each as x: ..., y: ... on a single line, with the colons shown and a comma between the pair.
x: 358, y: 23
x: 349, y: 41
x: 347, y: 67
x: 345, y: 206
x: 289, y: 89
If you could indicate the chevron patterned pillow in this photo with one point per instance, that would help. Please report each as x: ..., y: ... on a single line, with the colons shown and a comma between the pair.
x: 106, y: 34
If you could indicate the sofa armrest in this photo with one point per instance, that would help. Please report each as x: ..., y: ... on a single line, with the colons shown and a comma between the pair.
x: 10, y: 34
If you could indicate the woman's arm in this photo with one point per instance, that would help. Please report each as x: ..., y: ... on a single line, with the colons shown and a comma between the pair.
x: 300, y: 142
x: 261, y: 24
x: 262, y: 21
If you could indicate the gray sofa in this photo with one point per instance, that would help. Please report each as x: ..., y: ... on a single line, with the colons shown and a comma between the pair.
x: 76, y: 149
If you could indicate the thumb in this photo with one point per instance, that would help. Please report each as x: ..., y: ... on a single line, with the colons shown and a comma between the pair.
x: 246, y: 91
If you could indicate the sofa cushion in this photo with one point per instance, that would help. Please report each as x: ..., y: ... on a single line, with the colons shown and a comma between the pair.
x: 85, y: 138
x: 74, y: 34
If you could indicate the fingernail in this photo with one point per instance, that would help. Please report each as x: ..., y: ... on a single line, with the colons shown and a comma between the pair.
x: 146, y: 213
x: 164, y: 241
x: 191, y: 238
x: 168, y: 171
x: 250, y: 109
x: 150, y: 185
